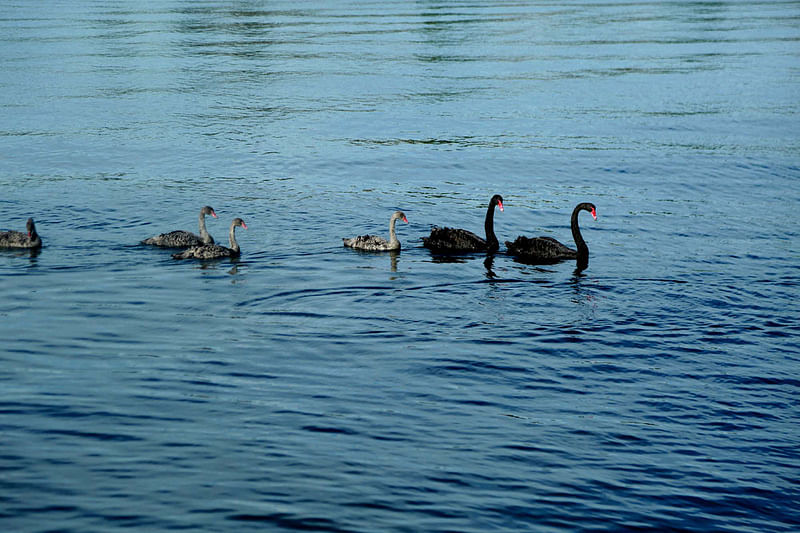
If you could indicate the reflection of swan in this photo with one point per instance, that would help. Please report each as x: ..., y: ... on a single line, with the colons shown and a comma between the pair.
x: 489, y: 263
x: 375, y: 243
x: 18, y: 239
x: 185, y: 239
x: 548, y: 250
x: 461, y: 240
x: 215, y: 251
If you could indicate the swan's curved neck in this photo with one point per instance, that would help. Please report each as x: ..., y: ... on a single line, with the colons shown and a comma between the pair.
x: 583, y: 250
x: 491, y: 238
x: 392, y: 235
x: 203, y: 231
x: 232, y: 238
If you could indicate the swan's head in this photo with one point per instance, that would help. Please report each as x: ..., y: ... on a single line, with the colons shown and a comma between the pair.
x: 497, y: 200
x: 238, y: 222
x: 401, y: 216
x: 591, y: 208
x: 30, y: 227
x: 208, y: 210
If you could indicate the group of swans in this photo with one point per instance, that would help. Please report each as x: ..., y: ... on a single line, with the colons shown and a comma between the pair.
x: 199, y: 246
x: 195, y: 246
x: 455, y: 240
x: 441, y: 240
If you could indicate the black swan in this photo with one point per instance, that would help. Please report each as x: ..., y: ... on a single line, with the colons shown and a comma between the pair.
x: 549, y: 250
x: 185, y: 239
x: 215, y: 251
x: 461, y: 240
x: 18, y: 239
x: 375, y: 243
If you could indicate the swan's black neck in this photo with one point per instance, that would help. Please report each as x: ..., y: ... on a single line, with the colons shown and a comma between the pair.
x: 580, y: 244
x: 491, y: 239
x: 392, y: 233
x: 203, y: 231
x: 232, y: 238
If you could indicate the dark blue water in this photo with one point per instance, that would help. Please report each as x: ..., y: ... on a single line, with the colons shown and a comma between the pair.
x: 307, y: 386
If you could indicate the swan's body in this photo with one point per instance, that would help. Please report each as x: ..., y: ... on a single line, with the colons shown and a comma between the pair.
x: 461, y: 240
x: 374, y: 243
x: 185, y: 239
x: 549, y: 250
x: 17, y: 239
x: 215, y: 251
x: 545, y: 248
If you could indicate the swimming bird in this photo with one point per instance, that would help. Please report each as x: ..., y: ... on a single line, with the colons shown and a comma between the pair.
x: 18, y: 239
x: 461, y: 240
x: 375, y: 243
x: 185, y: 239
x: 215, y: 251
x: 548, y: 250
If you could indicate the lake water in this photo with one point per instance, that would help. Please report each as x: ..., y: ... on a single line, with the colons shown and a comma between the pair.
x: 308, y: 386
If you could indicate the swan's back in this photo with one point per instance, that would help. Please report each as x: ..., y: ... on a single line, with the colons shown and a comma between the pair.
x: 177, y: 239
x: 453, y: 240
x: 14, y: 239
x: 370, y: 242
x: 208, y: 251
x: 540, y: 248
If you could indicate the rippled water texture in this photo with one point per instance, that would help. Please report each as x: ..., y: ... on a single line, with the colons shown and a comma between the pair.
x: 309, y: 386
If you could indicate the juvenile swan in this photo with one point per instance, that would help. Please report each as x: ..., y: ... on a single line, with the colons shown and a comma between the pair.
x: 215, y: 251
x: 18, y: 239
x: 375, y: 243
x: 185, y: 239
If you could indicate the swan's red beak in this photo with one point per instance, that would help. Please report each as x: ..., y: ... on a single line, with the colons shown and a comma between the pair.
x: 213, y: 214
x: 594, y: 214
x: 244, y: 225
x: 29, y: 234
x: 500, y: 205
x: 405, y: 220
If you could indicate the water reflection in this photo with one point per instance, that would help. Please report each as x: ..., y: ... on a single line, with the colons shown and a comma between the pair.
x: 581, y: 295
x: 580, y: 264
x: 393, y: 255
x: 214, y: 264
x: 31, y: 253
x: 443, y: 257
x: 489, y: 263
x: 577, y: 275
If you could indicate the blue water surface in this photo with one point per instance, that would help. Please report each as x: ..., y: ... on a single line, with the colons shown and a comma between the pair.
x: 306, y: 386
